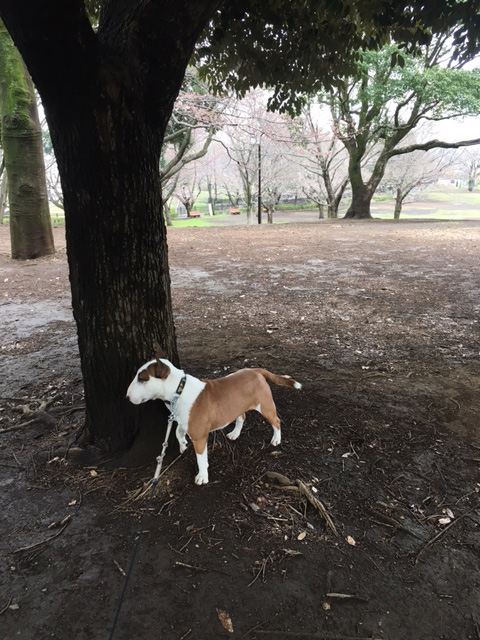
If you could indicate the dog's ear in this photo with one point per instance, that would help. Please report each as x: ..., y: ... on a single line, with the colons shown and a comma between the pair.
x: 160, y: 370
x: 159, y: 352
x: 143, y: 376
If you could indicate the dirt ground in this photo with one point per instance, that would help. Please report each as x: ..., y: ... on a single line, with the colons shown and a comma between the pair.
x: 379, y: 321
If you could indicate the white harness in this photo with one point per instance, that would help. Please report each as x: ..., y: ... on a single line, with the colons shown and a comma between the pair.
x: 171, y: 420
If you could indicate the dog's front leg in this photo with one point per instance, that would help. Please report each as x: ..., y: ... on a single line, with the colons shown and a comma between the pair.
x: 182, y: 441
x: 201, y: 449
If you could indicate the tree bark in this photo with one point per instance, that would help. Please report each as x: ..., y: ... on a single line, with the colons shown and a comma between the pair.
x: 30, y: 224
x: 3, y: 196
x: 399, y: 197
x: 167, y: 214
x: 108, y: 96
x: 361, y: 197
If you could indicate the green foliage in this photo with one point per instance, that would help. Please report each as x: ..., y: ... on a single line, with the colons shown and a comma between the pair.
x: 297, y: 47
x: 16, y: 100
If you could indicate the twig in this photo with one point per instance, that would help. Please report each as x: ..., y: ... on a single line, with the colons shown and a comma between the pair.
x: 386, y: 520
x: 19, y: 426
x: 439, y: 535
x: 38, y: 544
x: 318, y: 636
x: 305, y: 491
x: 197, y: 568
x: 186, y: 634
x: 8, y: 604
x: 119, y: 568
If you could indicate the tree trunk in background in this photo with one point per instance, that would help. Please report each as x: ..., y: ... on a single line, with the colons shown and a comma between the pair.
x: 167, y: 214
x: 399, y: 197
x: 361, y: 197
x: 30, y: 224
x: 91, y: 83
x: 3, y: 194
x: 321, y: 211
x: 270, y: 215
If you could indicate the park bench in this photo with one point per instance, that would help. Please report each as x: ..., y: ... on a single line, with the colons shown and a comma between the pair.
x: 234, y: 212
x: 195, y: 214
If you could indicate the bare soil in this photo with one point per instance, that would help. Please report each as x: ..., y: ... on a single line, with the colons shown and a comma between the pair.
x: 379, y: 321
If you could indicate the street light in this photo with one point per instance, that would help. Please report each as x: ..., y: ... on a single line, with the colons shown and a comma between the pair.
x: 259, y: 204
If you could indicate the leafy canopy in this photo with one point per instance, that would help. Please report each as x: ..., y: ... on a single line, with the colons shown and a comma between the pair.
x: 296, y: 47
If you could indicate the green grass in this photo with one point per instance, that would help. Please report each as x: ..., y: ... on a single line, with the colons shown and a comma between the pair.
x: 433, y: 214
x: 206, y: 221
x: 457, y: 197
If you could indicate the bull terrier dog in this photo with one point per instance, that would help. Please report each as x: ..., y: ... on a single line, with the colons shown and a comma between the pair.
x: 207, y: 405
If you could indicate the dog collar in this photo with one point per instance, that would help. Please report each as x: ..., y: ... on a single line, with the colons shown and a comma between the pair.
x: 178, y: 392
x: 181, y: 386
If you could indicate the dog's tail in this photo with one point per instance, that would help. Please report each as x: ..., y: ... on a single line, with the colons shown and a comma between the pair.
x: 282, y: 381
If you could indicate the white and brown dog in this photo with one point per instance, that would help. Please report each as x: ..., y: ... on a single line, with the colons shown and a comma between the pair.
x: 206, y: 405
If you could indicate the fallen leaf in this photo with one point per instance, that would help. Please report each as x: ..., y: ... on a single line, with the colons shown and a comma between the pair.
x: 326, y: 606
x: 351, y: 541
x: 301, y: 536
x: 444, y: 520
x: 93, y: 473
x: 225, y: 620
x: 292, y: 552
x: 72, y: 502
x: 14, y: 607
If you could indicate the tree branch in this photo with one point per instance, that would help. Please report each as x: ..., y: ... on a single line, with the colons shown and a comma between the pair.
x: 433, y: 144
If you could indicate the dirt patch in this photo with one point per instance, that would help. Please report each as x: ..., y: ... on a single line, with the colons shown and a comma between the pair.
x: 380, y: 323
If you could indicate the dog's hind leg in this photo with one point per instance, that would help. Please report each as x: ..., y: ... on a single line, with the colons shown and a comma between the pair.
x: 233, y: 435
x: 201, y: 449
x: 269, y: 412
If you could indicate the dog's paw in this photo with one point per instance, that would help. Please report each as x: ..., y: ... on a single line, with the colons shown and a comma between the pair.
x: 201, y: 479
x: 276, y: 440
x: 233, y: 435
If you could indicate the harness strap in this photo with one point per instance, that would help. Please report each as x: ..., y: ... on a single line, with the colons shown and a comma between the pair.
x: 171, y: 420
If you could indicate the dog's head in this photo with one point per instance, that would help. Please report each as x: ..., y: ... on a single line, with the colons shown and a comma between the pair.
x: 150, y: 382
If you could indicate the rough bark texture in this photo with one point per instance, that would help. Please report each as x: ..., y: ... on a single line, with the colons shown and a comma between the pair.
x: 30, y: 224
x: 108, y: 96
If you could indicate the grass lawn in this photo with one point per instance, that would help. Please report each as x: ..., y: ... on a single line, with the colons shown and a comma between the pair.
x: 204, y: 221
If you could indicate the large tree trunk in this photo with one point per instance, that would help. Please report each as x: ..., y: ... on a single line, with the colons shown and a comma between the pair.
x: 117, y: 256
x: 361, y: 195
x: 30, y: 224
x: 359, y: 208
x: 108, y: 95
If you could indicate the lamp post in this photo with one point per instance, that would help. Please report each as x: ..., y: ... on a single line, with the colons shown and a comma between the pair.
x: 259, y: 201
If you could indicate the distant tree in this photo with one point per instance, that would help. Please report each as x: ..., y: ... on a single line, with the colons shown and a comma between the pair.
x: 390, y: 95
x: 323, y: 159
x: 196, y: 117
x: 30, y: 224
x: 188, y: 191
x: 415, y: 171
x: 470, y: 162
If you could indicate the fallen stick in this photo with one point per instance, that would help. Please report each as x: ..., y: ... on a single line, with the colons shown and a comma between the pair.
x: 280, y: 478
x: 318, y: 636
x: 439, y: 535
x: 305, y: 491
x: 38, y: 544
x: 387, y: 520
x: 346, y: 596
x: 6, y: 607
